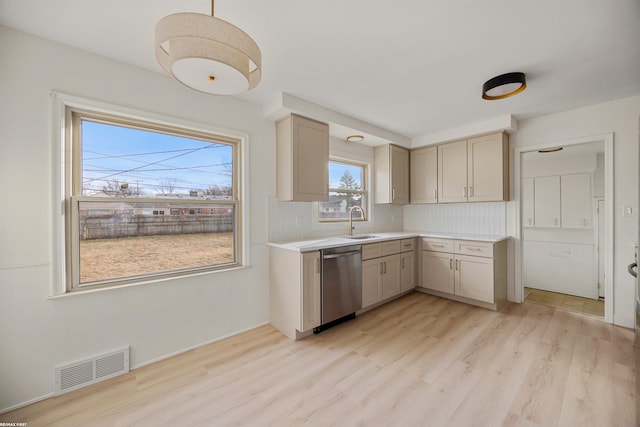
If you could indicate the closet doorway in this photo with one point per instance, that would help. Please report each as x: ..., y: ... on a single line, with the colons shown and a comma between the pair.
x: 562, y: 255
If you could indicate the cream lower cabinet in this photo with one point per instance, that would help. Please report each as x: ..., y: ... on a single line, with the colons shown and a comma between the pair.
x: 294, y: 291
x: 381, y: 271
x: 407, y: 265
x: 467, y: 271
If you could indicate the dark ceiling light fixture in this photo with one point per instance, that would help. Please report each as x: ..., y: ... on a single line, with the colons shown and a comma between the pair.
x: 551, y: 150
x: 503, y: 86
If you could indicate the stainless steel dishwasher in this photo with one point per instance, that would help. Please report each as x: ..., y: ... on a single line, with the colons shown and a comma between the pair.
x: 341, y: 294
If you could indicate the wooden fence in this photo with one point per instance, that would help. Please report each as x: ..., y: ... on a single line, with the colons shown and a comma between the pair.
x: 109, y: 227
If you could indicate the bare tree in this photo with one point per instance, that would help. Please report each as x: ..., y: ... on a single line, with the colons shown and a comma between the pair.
x: 167, y: 187
x: 219, y: 190
x: 116, y: 188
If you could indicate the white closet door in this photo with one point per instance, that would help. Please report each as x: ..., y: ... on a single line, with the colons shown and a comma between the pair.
x: 547, y: 202
x: 575, y: 197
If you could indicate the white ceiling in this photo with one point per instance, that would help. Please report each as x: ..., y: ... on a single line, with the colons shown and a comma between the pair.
x: 413, y: 67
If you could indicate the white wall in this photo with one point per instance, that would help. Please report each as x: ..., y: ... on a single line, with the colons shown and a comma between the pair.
x: 620, y: 117
x: 156, y: 320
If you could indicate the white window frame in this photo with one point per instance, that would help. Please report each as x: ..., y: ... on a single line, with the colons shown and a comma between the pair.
x: 61, y: 127
x: 365, y: 190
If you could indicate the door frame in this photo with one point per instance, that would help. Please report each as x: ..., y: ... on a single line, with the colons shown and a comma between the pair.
x: 607, y: 139
x: 596, y: 237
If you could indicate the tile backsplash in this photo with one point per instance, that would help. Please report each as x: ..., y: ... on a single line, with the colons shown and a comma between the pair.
x: 294, y: 221
x: 471, y: 218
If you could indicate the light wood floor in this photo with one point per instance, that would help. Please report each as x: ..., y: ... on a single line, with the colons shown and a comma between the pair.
x: 417, y: 361
x: 566, y: 302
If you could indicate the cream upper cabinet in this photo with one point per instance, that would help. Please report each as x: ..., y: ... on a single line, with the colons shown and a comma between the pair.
x: 575, y: 200
x: 474, y: 170
x: 424, y: 175
x: 391, y: 174
x: 488, y: 168
x: 547, y: 202
x: 528, y: 202
x: 452, y: 172
x: 302, y: 159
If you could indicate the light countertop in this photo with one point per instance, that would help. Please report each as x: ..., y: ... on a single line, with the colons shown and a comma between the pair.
x: 333, y: 242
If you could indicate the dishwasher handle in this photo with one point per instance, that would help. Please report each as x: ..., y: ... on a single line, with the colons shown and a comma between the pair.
x: 340, y: 255
x: 633, y: 269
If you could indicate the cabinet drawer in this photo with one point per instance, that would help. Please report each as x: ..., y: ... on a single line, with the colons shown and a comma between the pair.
x: 482, y: 249
x: 407, y: 245
x: 437, y: 245
x: 391, y: 248
x: 373, y: 250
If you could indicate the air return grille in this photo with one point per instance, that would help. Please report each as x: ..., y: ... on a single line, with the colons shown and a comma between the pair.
x: 90, y: 371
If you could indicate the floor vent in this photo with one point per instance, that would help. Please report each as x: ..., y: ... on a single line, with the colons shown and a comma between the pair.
x: 90, y: 371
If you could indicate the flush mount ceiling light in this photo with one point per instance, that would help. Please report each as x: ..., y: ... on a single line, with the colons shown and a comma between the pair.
x: 355, y: 138
x: 504, y: 86
x: 207, y: 54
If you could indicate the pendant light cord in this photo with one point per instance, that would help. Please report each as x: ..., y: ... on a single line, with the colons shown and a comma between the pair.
x: 212, y: 7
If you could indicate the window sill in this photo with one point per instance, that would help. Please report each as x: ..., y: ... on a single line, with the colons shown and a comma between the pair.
x: 144, y: 282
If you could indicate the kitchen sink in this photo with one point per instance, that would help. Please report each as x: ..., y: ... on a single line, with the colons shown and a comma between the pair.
x: 368, y: 236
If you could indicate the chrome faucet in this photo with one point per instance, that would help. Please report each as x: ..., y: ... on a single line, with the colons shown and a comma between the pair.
x: 364, y: 218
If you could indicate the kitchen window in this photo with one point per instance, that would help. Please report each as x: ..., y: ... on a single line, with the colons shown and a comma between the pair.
x: 347, y: 188
x: 146, y: 200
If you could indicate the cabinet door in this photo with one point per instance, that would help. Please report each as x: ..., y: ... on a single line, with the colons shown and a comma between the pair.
x: 310, y: 160
x: 474, y: 278
x: 407, y: 271
x: 371, y: 282
x: 310, y: 296
x: 424, y: 175
x: 488, y: 170
x: 390, y: 276
x: 399, y: 175
x: 452, y: 172
x: 547, y: 202
x: 527, y: 202
x: 437, y: 271
x: 575, y: 200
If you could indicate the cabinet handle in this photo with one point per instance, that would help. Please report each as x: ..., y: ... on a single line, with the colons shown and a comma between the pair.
x: 555, y: 221
x: 470, y: 191
x: 457, y: 265
x: 450, y: 264
x: 464, y: 191
x: 474, y: 249
x: 381, y: 272
x: 437, y: 246
x: 317, y: 262
x: 435, y: 193
x: 402, y: 266
x: 385, y: 267
x: 393, y: 194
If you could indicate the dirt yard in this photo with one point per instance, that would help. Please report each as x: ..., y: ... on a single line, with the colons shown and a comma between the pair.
x: 113, y: 258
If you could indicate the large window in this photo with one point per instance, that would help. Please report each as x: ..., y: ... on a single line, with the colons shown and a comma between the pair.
x: 145, y: 200
x: 347, y: 188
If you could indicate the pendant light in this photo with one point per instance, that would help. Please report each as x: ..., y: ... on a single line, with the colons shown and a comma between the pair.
x: 503, y: 86
x: 207, y: 54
